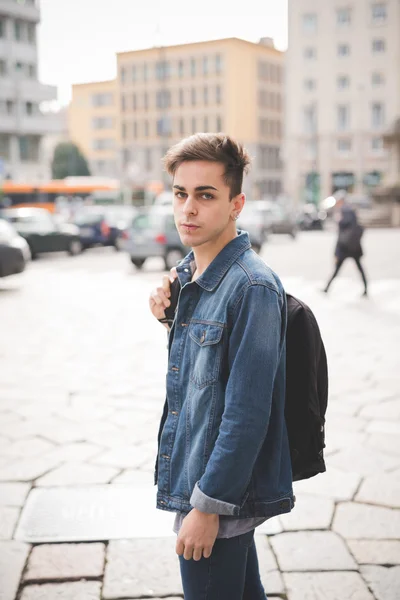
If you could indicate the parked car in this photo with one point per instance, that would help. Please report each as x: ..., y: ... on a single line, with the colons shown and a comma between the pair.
x: 311, y: 218
x: 14, y: 250
x: 104, y: 225
x: 42, y: 232
x: 255, y: 221
x: 153, y: 233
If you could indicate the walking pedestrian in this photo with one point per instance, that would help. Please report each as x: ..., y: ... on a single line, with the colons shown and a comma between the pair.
x: 223, y: 463
x: 348, y: 243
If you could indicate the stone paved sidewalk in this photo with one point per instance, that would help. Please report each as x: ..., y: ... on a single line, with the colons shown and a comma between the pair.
x: 68, y: 441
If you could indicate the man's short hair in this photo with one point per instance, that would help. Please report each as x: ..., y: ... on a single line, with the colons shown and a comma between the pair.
x: 212, y: 147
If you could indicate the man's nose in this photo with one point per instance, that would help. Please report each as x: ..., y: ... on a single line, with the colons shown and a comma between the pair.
x: 189, y: 206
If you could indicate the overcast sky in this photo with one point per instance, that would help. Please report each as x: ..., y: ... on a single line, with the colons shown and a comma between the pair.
x: 78, y: 39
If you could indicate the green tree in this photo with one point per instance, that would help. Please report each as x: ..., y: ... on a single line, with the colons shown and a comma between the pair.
x: 68, y: 160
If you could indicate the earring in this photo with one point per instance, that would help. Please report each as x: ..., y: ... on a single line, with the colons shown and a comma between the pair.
x: 235, y: 217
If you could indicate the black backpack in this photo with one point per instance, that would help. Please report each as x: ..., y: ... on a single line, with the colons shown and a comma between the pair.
x: 306, y: 386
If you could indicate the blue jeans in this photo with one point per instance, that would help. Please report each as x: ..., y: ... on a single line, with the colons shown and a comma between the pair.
x: 231, y: 572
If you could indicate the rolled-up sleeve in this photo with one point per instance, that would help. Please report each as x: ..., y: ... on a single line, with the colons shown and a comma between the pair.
x: 254, y: 353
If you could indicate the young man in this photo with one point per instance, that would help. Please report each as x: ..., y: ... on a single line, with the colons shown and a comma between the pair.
x: 223, y: 462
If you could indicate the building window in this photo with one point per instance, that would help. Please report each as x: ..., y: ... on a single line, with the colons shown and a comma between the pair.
x: 343, y: 82
x: 219, y: 123
x: 163, y: 99
x: 343, y: 50
x: 29, y: 108
x: 164, y: 127
x: 343, y: 117
x: 205, y: 65
x: 180, y: 69
x: 309, y: 84
x: 193, y: 67
x: 103, y: 123
x: 31, y: 71
x: 31, y: 31
x: 145, y: 72
x: 146, y: 129
x: 206, y: 124
x: 5, y: 146
x: 28, y: 148
x: 205, y: 93
x: 19, y: 67
x: 193, y: 96
x: 182, y: 126
x: 123, y: 103
x: 181, y: 98
x: 310, y: 53
x: 102, y: 99
x: 148, y: 159
x: 10, y: 105
x: 134, y: 73
x: 377, y: 144
x: 134, y: 102
x: 377, y: 115
x: 378, y: 46
x: 146, y: 101
x: 310, y: 120
x: 218, y: 94
x: 103, y: 144
x: 123, y: 131
x: 309, y: 23
x: 18, y: 30
x: 343, y: 16
x: 162, y: 70
x: 2, y: 28
x: 344, y: 146
x: 123, y: 74
x: 218, y: 64
x: 135, y: 130
x: 377, y: 79
x: 3, y: 67
x: 193, y: 124
x: 379, y: 12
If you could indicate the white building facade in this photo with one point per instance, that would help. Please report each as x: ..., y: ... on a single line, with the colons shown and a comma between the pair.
x: 342, y: 95
x: 22, y: 124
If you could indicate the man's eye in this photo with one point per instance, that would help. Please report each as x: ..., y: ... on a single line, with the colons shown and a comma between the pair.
x: 208, y: 196
x: 180, y: 194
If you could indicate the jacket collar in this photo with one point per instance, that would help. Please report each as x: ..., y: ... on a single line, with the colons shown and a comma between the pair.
x: 221, y: 264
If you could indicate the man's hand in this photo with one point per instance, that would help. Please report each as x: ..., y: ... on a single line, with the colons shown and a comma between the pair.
x: 197, y: 535
x: 159, y: 298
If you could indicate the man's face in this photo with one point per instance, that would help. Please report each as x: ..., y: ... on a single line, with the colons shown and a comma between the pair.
x: 202, y: 208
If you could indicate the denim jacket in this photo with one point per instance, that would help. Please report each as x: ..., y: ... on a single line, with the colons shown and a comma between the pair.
x: 223, y: 445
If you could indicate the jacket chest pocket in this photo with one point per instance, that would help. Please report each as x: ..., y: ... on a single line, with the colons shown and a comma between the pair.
x: 205, y: 353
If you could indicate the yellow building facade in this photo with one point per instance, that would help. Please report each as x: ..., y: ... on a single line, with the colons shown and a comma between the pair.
x: 163, y: 94
x: 93, y: 125
x: 228, y: 85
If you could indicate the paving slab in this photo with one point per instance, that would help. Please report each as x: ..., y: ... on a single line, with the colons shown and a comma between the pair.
x: 124, y: 457
x: 13, y: 556
x: 326, y: 586
x: 384, y: 581
x: 132, y: 571
x: 27, y: 469
x: 312, y: 551
x: 388, y: 410
x: 334, y: 484
x: 76, y: 451
x: 384, y: 442
x: 364, y: 460
x: 9, y: 516
x: 27, y: 447
x: 85, y: 590
x: 13, y: 494
x: 65, y: 561
x: 361, y: 521
x: 92, y: 513
x: 271, y: 578
x: 310, y: 512
x: 380, y: 426
x: 382, y: 552
x: 77, y: 473
x: 382, y: 489
x: 134, y: 477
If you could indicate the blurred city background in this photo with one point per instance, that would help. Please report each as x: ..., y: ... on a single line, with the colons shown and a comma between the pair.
x: 92, y: 94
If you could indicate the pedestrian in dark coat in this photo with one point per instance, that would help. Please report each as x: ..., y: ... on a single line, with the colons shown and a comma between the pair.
x: 349, y: 243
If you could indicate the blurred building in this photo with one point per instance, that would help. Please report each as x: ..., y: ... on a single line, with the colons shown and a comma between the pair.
x: 342, y: 95
x: 93, y: 125
x: 230, y: 85
x: 22, y: 124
